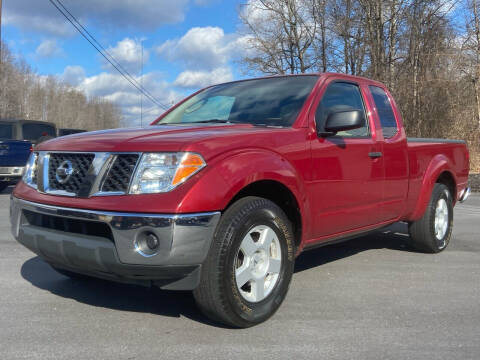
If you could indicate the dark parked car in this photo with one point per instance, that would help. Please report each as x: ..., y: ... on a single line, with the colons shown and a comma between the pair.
x: 16, y: 140
x: 64, y: 132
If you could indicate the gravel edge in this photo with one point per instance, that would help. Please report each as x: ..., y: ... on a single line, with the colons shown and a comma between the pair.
x: 474, y: 182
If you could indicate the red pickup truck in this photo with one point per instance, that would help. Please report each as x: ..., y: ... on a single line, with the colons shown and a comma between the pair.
x: 223, y: 191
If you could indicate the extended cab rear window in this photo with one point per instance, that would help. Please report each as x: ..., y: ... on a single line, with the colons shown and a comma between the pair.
x: 6, y: 131
x: 385, y: 111
x: 270, y: 101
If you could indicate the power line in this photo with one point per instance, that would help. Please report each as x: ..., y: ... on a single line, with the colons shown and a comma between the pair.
x: 117, y: 64
x: 79, y: 27
x: 150, y: 109
x: 109, y: 58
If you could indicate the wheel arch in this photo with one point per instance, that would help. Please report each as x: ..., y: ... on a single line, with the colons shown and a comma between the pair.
x: 267, y: 174
x: 438, y: 171
x: 446, y: 178
x: 279, y: 194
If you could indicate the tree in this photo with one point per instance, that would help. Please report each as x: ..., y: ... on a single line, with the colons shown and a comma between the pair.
x: 347, y: 24
x: 472, y: 50
x: 26, y: 95
x: 281, y: 35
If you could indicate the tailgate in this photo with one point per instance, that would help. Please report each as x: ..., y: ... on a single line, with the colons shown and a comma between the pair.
x: 14, y: 152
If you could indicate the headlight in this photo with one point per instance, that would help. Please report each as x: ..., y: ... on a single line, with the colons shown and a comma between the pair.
x: 162, y: 172
x: 29, y: 175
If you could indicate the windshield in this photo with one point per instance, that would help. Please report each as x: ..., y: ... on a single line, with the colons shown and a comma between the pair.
x: 6, y: 131
x: 272, y: 101
x: 33, y: 131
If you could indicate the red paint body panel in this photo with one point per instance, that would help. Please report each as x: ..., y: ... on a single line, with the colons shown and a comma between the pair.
x: 339, y: 189
x: 427, y: 161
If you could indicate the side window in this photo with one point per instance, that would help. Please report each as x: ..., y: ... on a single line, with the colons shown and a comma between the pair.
x: 385, y: 111
x: 341, y: 96
x: 6, y: 131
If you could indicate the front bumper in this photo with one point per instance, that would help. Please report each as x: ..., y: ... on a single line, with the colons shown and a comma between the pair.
x: 104, y: 244
x: 11, y: 173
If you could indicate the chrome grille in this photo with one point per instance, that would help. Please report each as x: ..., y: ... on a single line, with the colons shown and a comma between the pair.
x: 80, y: 163
x: 82, y: 174
x: 35, y: 171
x: 120, y: 174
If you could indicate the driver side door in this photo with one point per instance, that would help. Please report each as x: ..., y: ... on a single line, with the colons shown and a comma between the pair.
x: 345, y: 188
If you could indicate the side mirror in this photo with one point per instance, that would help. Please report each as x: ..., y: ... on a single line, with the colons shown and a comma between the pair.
x: 343, y: 120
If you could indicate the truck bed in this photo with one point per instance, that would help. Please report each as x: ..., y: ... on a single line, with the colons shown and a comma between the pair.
x: 421, y: 153
x: 435, y: 140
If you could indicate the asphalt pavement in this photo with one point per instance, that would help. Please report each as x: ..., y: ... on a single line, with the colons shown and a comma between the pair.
x: 368, y: 298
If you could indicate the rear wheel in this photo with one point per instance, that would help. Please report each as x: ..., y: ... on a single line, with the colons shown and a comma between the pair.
x: 433, y: 231
x: 248, y: 270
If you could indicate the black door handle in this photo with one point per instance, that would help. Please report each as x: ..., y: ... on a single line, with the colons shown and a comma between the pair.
x: 375, y: 154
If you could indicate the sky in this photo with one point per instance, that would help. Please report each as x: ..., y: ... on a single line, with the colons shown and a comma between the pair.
x: 187, y: 45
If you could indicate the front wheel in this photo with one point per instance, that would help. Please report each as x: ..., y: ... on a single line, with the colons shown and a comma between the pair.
x: 432, y: 233
x: 248, y: 270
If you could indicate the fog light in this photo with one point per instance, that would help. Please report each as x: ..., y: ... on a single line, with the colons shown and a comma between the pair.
x: 152, y: 241
x: 147, y: 243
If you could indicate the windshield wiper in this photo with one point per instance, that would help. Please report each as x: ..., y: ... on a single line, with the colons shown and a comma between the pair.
x: 237, y: 122
x: 220, y: 121
x: 215, y: 121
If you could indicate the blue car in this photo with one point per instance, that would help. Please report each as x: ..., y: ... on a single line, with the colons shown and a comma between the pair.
x: 17, y: 137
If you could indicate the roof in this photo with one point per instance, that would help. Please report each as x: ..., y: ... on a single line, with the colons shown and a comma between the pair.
x: 318, y: 74
x: 27, y: 121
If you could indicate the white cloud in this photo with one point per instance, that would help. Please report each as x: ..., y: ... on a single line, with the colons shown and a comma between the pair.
x: 128, y: 53
x: 200, y: 79
x: 48, y: 49
x: 202, y: 48
x: 256, y: 12
x: 73, y: 75
x: 115, y: 88
x: 42, y: 16
x: 41, y: 23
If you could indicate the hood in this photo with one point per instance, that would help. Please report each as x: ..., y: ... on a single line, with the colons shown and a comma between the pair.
x: 151, y: 138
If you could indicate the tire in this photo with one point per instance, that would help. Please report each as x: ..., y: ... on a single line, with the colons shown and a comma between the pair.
x: 239, y: 251
x: 3, y: 185
x: 70, y: 274
x: 432, y: 233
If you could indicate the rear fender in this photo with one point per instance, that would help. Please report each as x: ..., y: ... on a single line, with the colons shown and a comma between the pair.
x: 437, y: 166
